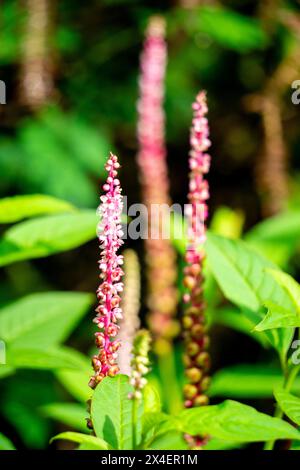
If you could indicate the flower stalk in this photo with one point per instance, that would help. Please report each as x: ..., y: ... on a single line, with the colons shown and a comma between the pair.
x: 196, y: 340
x: 140, y: 362
x: 108, y: 293
x: 130, y: 306
x: 160, y: 255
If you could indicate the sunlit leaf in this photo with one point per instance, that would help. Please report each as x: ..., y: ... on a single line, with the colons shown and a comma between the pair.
x: 13, y: 209
x: 5, y: 443
x: 242, y: 276
x: 44, y: 236
x: 44, y: 319
x: 234, y: 421
x: 289, y: 404
x: 79, y: 438
x: 112, y: 412
x: 53, y: 358
x: 277, y: 315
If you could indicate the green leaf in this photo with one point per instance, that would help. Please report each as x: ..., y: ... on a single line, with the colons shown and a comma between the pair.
x: 231, y: 29
x: 283, y: 228
x: 234, y: 421
x: 44, y: 236
x: 241, y: 275
x: 112, y: 412
x: 42, y: 320
x: 53, y: 358
x: 289, y: 404
x: 171, y: 440
x: 13, y: 209
x: 151, y: 423
x: 289, y: 285
x: 71, y: 414
x: 5, y: 443
x: 248, y: 381
x: 79, y: 438
x: 277, y: 317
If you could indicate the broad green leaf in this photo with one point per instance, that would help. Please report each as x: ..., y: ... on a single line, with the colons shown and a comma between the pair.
x: 44, y: 236
x: 231, y: 29
x: 52, y: 358
x: 277, y: 317
x: 276, y: 237
x: 289, y: 404
x: 274, y: 252
x: 155, y: 425
x: 283, y: 228
x: 87, y: 446
x: 234, y: 421
x: 241, y: 275
x: 171, y: 440
x: 44, y: 319
x: 248, y: 381
x: 71, y: 414
x: 289, y: 285
x: 112, y: 412
x: 13, y: 209
x: 5, y: 443
x: 79, y: 438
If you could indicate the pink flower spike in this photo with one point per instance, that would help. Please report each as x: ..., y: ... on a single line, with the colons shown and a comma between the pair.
x: 108, y: 310
x: 199, y: 163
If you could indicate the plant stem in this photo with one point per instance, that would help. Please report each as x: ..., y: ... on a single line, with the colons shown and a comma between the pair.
x: 288, y: 383
x: 134, y: 422
x: 171, y: 389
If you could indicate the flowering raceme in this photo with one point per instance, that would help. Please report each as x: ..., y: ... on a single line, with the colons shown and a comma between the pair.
x: 108, y: 293
x: 196, y: 356
x: 160, y: 255
x: 130, y: 306
x: 140, y: 362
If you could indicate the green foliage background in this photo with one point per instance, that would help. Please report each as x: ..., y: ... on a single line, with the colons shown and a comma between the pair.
x: 53, y: 161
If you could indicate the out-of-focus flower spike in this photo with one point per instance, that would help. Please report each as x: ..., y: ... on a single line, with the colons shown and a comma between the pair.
x: 130, y: 306
x: 108, y: 310
x: 196, y: 358
x: 160, y: 255
x: 140, y: 362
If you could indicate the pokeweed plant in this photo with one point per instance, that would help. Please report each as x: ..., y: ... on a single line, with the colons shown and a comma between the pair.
x: 126, y: 412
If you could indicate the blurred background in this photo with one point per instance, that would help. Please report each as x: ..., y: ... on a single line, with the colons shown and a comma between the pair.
x: 71, y: 75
